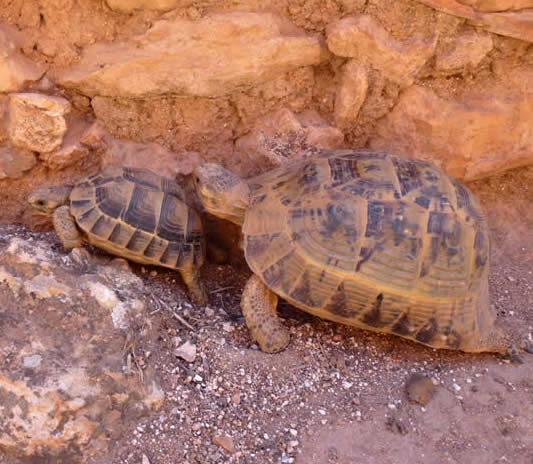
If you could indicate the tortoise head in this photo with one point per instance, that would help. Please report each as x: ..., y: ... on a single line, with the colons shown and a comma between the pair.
x: 46, y: 199
x: 222, y: 193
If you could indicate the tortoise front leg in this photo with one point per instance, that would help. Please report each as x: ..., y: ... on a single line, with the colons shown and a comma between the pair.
x: 258, y: 304
x: 191, y: 277
x: 66, y: 228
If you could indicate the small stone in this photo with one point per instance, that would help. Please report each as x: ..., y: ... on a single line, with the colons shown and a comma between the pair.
x: 293, y: 432
x: 456, y: 387
x: 224, y: 441
x: 196, y: 426
x: 153, y: 273
x: 145, y: 459
x: 32, y: 361
x: 187, y: 351
x: 322, y: 411
x: 36, y: 121
x: 236, y: 398
x: 420, y: 389
x: 197, y: 378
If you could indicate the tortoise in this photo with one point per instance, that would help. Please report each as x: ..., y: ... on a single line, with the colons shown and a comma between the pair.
x: 364, y: 238
x: 132, y: 213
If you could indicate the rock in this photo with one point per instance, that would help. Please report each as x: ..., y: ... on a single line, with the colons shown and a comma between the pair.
x: 363, y: 38
x: 498, y: 5
x: 128, y: 6
x: 115, y: 152
x: 224, y: 441
x: 464, y: 51
x: 351, y: 94
x: 72, y: 151
x: 63, y: 393
x: 517, y: 24
x: 216, y: 55
x: 36, y: 121
x: 187, y: 351
x: 281, y: 136
x: 419, y: 389
x: 14, y: 163
x: 470, y: 138
x: 16, y: 71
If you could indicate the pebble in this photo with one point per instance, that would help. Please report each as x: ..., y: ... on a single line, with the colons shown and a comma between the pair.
x: 420, y: 389
x: 224, y: 441
x: 456, y: 387
x: 187, y: 351
x: 145, y: 459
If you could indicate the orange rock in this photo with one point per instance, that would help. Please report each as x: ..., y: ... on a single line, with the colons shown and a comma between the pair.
x: 224, y: 441
x: 127, y: 6
x: 363, y: 38
x: 517, y: 24
x: 282, y: 136
x: 463, y: 51
x: 37, y: 121
x: 211, y: 57
x: 16, y: 71
x: 351, y: 94
x: 469, y: 138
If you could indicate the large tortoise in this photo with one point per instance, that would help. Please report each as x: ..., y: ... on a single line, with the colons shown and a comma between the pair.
x: 133, y: 213
x: 364, y: 238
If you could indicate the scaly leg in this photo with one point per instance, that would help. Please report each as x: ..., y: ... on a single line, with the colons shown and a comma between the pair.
x: 191, y: 277
x: 66, y: 228
x: 258, y: 304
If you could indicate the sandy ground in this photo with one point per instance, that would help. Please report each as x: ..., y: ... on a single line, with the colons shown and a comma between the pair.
x: 337, y: 394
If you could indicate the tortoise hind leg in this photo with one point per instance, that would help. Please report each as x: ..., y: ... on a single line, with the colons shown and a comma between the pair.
x: 66, y: 228
x: 191, y: 277
x: 258, y: 304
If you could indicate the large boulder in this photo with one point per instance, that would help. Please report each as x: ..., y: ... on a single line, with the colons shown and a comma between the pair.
x: 213, y: 56
x: 66, y: 387
x: 471, y: 137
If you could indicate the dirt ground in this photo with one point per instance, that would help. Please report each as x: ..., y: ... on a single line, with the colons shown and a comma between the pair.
x: 337, y: 394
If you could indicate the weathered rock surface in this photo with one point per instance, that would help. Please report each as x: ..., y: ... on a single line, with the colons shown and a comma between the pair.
x: 498, y: 5
x: 16, y: 70
x: 127, y: 6
x: 72, y: 151
x: 37, y: 121
x: 463, y: 52
x: 363, y: 38
x: 282, y: 136
x: 14, y: 163
x: 210, y: 57
x: 505, y: 17
x: 66, y: 389
x: 351, y: 94
x: 115, y: 152
x: 470, y: 138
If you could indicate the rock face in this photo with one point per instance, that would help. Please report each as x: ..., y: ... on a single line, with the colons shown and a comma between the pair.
x: 282, y: 136
x: 351, y: 94
x: 214, y: 56
x: 65, y: 389
x: 469, y: 138
x: 14, y: 163
x: 15, y: 70
x: 36, y: 121
x: 363, y: 38
x: 501, y: 17
x: 128, y: 6
x: 465, y: 52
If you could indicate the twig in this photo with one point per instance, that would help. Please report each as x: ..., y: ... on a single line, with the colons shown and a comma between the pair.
x: 183, y: 321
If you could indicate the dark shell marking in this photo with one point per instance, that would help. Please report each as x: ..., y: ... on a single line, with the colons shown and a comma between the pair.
x: 139, y: 215
x: 376, y: 241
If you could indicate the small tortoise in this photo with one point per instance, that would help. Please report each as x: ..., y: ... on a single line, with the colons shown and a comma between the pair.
x: 133, y: 213
x: 364, y: 238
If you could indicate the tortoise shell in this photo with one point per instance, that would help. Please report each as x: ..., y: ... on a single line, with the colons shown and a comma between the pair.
x: 139, y: 215
x: 375, y: 241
